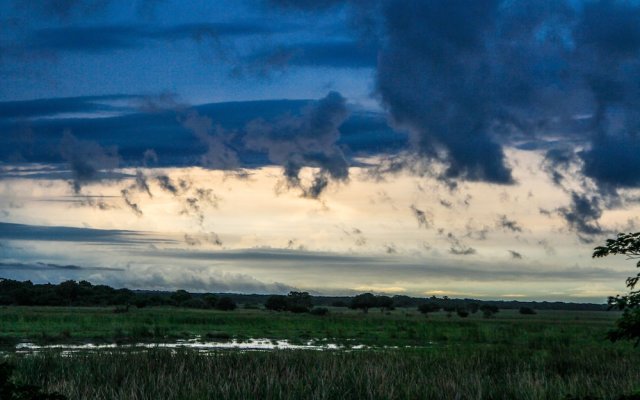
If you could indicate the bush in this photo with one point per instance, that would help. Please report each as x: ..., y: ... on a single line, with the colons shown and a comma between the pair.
x: 527, y: 311
x: 462, y: 313
x: 488, y: 310
x: 194, y: 303
x: 276, y: 303
x: 319, y: 311
x: 226, y: 304
x: 427, y: 308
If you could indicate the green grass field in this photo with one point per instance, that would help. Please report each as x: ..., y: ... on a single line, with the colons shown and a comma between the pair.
x: 551, y: 355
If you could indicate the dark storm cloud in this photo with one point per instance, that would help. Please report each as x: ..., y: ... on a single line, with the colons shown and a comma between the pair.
x: 582, y: 215
x: 336, y: 54
x: 169, y: 134
x: 55, y: 106
x: 614, y: 160
x: 557, y: 163
x: 86, y: 159
x: 465, y: 78
x: 50, y: 266
x: 308, y: 139
x: 69, y: 234
x: 63, y: 8
x: 96, y: 39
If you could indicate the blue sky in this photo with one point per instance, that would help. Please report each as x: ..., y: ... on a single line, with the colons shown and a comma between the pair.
x: 468, y: 148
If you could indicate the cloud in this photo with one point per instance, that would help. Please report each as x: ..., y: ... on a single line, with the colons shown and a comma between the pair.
x: 515, y: 255
x: 35, y: 266
x: 63, y: 105
x: 467, y: 78
x: 309, y: 139
x: 219, y: 154
x: 425, y: 220
x: 71, y: 234
x: 458, y: 247
x: 167, y: 184
x: 86, y: 159
x: 98, y: 39
x: 333, y: 54
x: 582, y: 215
x: 508, y: 225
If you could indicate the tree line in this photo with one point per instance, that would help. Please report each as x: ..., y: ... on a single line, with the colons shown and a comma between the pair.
x: 83, y: 293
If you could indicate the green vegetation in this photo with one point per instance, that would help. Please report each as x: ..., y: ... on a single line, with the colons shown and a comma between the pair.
x: 494, y: 372
x: 400, y: 327
x: 628, y: 326
x: 552, y: 354
x: 436, y: 349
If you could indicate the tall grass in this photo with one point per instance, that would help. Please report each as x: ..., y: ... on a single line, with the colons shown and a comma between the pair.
x: 482, y: 372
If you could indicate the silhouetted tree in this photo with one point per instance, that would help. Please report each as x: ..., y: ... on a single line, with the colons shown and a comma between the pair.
x: 210, y: 300
x: 428, y: 308
x: 180, y: 296
x: 628, y: 325
x: 226, y: 304
x: 298, y: 302
x: 363, y: 302
x: 488, y: 310
x: 384, y: 302
x: 462, y: 312
x: 527, y: 311
x: 276, y: 303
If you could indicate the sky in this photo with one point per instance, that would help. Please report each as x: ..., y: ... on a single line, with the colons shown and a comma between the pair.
x: 455, y: 148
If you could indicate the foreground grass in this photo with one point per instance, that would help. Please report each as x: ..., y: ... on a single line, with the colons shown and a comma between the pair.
x: 494, y: 372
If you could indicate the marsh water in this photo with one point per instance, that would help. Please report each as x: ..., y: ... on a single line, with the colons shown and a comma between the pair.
x: 195, y: 344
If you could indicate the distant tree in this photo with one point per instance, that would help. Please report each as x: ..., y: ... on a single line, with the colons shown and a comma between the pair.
x: 384, y: 302
x: 276, y: 303
x: 180, y: 296
x: 628, y: 325
x: 363, y: 302
x: 527, y: 311
x: 339, y: 303
x: 428, y: 308
x: 226, y: 303
x: 210, y: 300
x: 321, y: 311
x: 462, y: 312
x: 473, y: 307
x: 488, y: 310
x: 194, y: 303
x: 298, y: 302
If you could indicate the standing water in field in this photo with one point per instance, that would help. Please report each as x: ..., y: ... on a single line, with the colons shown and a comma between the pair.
x: 195, y: 344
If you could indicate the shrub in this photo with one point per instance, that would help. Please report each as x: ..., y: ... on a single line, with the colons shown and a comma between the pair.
x: 527, y: 311
x: 276, y: 303
x: 319, y: 311
x: 226, y: 304
x: 427, y: 308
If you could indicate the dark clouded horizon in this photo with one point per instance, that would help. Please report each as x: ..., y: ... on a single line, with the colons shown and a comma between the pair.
x: 460, y: 133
